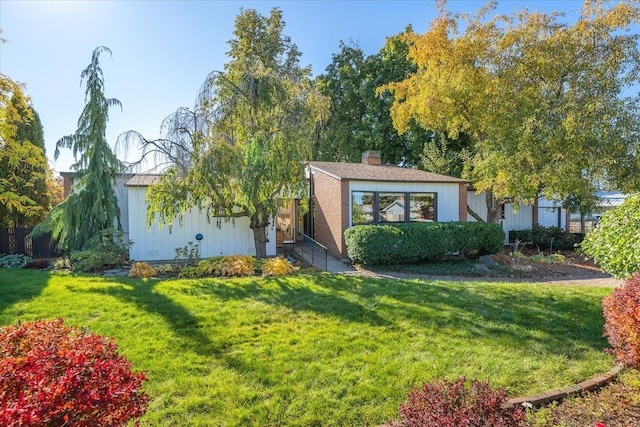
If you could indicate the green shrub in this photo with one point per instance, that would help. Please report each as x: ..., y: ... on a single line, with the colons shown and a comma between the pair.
x: 403, y: 243
x: 614, y: 243
x: 14, y: 261
x: 545, y: 237
x: 103, y: 251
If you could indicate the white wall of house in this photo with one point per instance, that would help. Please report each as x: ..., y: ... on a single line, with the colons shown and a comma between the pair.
x: 447, y: 195
x: 123, y: 203
x: 155, y: 243
x: 523, y: 218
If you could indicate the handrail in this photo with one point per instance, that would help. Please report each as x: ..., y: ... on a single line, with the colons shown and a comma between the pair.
x: 314, y: 252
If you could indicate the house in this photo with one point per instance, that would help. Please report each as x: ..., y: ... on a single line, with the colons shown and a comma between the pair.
x: 341, y: 195
x: 347, y: 194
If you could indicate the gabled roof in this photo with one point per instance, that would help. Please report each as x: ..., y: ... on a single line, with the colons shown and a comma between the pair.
x: 143, y: 180
x: 389, y: 173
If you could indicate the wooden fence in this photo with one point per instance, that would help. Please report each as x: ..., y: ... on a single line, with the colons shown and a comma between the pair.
x: 18, y: 240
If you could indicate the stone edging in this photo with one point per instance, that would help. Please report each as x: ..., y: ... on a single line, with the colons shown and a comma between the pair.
x: 559, y: 394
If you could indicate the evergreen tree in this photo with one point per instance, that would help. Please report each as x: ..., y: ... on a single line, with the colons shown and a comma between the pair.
x: 92, y: 206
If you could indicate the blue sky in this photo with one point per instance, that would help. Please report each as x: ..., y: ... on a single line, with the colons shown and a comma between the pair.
x: 163, y: 50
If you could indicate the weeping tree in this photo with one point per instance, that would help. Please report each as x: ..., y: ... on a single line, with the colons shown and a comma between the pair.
x: 241, y: 151
x: 92, y: 205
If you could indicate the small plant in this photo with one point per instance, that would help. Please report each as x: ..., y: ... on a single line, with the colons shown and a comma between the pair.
x: 237, y: 265
x: 166, y: 269
x: 142, y: 269
x: 56, y: 375
x: 188, y: 253
x: 14, y: 261
x: 622, y: 322
x: 189, y: 273
x: 452, y: 404
x: 62, y: 263
x: 102, y: 251
x: 278, y: 266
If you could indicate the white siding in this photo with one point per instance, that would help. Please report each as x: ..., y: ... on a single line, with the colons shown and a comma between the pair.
x: 155, y: 243
x: 447, y: 198
x: 548, y: 214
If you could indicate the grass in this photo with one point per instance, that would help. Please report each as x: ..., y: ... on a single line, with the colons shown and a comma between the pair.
x: 319, y: 349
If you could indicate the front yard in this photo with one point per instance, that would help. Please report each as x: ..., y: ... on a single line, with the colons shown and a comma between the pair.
x: 317, y: 349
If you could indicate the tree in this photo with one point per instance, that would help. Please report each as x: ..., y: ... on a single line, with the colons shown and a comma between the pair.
x: 359, y: 117
x: 92, y: 205
x: 542, y: 101
x: 23, y: 166
x: 241, y: 151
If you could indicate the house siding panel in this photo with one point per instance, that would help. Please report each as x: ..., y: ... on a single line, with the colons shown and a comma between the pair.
x: 155, y: 243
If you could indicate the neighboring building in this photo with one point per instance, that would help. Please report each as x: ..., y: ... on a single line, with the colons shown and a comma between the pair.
x: 347, y: 194
x: 543, y: 212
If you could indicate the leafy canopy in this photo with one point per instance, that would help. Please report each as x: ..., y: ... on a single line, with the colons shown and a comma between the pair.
x: 545, y: 103
x: 241, y: 151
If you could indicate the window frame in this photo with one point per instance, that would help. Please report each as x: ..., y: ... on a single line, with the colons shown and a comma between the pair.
x: 407, y: 206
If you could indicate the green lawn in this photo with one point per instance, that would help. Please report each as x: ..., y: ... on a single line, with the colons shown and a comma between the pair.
x: 317, y: 349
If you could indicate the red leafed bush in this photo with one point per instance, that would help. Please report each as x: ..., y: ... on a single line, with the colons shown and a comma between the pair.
x: 56, y: 375
x: 622, y: 322
x: 453, y: 404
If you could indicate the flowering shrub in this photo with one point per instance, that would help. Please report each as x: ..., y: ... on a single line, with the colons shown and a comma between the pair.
x: 55, y: 375
x: 622, y: 322
x: 453, y: 404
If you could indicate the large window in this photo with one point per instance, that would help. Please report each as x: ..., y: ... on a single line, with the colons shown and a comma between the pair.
x: 422, y: 207
x: 362, y: 207
x: 369, y: 207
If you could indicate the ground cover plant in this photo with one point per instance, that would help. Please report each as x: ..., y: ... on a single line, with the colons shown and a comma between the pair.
x: 319, y: 349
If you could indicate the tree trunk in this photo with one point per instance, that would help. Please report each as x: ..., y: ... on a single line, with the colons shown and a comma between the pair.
x: 494, y: 207
x: 259, y: 226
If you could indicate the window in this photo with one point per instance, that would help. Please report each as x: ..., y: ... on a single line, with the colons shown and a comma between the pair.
x: 388, y: 207
x: 362, y: 207
x: 391, y: 207
x: 422, y: 207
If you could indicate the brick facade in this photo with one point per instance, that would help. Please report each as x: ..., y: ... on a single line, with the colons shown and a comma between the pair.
x: 331, y: 212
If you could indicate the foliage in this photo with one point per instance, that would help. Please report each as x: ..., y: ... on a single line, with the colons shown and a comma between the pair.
x: 14, y: 261
x: 359, y: 118
x: 622, y: 322
x: 278, y: 266
x: 614, y: 243
x: 390, y: 244
x: 38, y: 264
x: 241, y: 151
x: 166, y: 269
x: 189, y: 253
x: 550, y: 259
x: 320, y: 349
x: 107, y: 249
x: 23, y: 166
x: 226, y: 266
x: 545, y: 237
x: 52, y: 374
x: 142, y: 269
x: 454, y: 404
x: 548, y: 106
x: 190, y: 272
x: 92, y: 205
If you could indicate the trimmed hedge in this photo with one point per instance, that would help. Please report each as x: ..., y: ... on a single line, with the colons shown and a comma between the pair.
x: 406, y: 243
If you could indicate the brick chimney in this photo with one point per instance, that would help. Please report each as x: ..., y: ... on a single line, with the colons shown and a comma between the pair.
x: 371, y: 157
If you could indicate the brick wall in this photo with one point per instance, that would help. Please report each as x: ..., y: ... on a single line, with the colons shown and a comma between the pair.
x: 462, y: 194
x: 331, y: 209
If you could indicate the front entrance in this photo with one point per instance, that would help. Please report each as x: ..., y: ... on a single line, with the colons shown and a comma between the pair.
x: 286, y: 224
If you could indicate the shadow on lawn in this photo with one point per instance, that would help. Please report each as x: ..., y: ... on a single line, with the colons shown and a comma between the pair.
x: 293, y: 294
x: 12, y: 291
x: 552, y: 322
x: 142, y: 294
